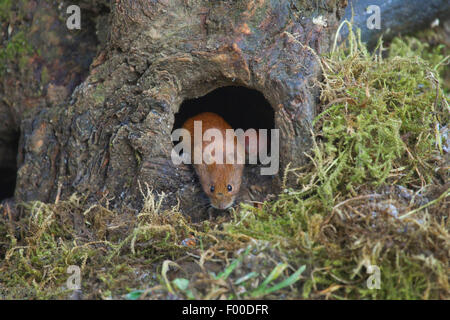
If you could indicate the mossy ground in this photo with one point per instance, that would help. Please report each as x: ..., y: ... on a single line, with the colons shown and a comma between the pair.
x: 376, y: 192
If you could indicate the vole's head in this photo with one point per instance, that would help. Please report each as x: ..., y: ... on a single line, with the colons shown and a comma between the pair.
x: 221, y: 182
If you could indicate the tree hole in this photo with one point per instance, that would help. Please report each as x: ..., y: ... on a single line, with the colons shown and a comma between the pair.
x: 8, y: 165
x: 242, y: 108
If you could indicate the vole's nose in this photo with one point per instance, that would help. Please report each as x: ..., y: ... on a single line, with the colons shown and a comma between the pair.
x: 220, y: 194
x: 221, y: 204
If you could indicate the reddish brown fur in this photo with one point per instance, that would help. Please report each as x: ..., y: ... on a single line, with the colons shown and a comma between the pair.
x: 217, y: 175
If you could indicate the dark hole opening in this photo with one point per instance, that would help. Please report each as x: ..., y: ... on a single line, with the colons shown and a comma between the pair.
x: 8, y: 166
x: 241, y: 107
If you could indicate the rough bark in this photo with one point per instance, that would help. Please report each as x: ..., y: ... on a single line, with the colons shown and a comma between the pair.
x: 113, y: 133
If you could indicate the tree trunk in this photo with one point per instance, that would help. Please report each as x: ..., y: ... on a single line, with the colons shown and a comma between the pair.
x: 113, y: 133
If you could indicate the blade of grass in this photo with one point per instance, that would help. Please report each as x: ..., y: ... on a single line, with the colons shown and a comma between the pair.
x: 263, y: 290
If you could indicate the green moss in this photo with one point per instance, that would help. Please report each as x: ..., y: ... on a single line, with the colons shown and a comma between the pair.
x: 378, y: 127
x: 16, y: 50
x: 99, y: 95
x: 382, y: 116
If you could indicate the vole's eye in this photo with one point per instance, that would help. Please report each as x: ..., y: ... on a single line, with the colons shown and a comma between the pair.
x: 229, y: 187
x: 212, y: 189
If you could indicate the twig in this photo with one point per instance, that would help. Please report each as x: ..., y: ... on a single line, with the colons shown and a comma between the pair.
x: 443, y: 195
